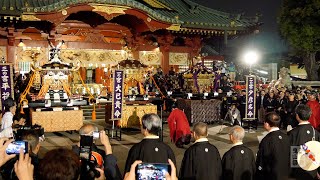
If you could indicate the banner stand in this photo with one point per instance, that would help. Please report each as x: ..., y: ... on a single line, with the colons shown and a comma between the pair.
x: 250, y: 114
x: 117, y: 102
x: 112, y: 130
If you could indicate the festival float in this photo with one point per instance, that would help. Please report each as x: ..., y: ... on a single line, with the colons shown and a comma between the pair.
x: 48, y: 95
x: 199, y: 79
x: 200, y: 103
x: 136, y: 102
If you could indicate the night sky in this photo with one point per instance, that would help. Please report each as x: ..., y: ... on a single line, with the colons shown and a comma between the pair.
x: 268, y: 40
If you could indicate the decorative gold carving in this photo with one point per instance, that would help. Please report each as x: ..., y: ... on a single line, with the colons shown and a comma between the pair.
x: 3, y: 53
x: 32, y: 54
x: 174, y: 27
x: 29, y: 17
x: 178, y: 58
x: 109, y: 9
x: 150, y: 57
x: 92, y: 57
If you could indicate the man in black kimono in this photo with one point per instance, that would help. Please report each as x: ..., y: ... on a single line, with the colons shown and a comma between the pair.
x: 202, y: 159
x: 301, y: 134
x: 239, y: 162
x: 273, y: 154
x: 151, y: 149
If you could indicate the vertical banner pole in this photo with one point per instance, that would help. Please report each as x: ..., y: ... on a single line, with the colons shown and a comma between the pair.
x: 250, y: 114
x: 161, y: 123
x: 6, y: 82
x: 117, y: 97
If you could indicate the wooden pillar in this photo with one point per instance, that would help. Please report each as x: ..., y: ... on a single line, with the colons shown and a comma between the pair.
x: 225, y: 37
x: 83, y: 73
x: 99, y: 75
x: 11, y: 46
x: 11, y: 58
x: 165, y: 59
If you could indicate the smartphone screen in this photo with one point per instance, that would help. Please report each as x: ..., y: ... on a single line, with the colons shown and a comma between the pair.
x: 85, y: 153
x: 152, y: 171
x: 15, y: 146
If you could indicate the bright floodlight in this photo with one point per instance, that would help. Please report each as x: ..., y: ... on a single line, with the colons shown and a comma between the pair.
x: 251, y: 57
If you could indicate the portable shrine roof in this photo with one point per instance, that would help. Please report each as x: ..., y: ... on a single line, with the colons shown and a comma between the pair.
x: 182, y: 15
x: 130, y: 64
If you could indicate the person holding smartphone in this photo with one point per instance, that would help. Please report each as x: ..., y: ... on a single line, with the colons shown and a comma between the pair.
x: 132, y: 173
x: 109, y: 163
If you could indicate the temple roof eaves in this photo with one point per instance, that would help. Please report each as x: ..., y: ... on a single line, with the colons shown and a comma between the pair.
x: 184, y: 12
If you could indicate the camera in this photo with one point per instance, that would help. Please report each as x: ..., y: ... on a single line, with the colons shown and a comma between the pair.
x: 96, y: 135
x: 88, y: 161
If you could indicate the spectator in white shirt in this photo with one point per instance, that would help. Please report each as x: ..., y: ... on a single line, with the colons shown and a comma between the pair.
x: 7, y: 119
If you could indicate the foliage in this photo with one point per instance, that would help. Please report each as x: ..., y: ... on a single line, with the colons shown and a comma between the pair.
x: 299, y: 22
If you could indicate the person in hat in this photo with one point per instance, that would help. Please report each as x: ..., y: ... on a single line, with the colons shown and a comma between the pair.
x: 289, y: 108
x: 179, y: 127
x: 315, y: 108
x: 242, y: 103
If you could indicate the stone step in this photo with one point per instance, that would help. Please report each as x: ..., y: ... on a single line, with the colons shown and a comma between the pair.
x: 90, y: 112
x: 97, y: 108
x: 98, y: 117
x: 91, y: 106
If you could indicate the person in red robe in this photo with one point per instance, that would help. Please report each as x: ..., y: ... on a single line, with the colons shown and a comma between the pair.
x: 315, y: 108
x: 179, y: 127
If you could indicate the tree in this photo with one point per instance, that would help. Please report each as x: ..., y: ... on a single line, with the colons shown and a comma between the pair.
x: 299, y: 22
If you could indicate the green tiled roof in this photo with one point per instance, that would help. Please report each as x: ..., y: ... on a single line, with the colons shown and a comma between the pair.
x: 184, y: 12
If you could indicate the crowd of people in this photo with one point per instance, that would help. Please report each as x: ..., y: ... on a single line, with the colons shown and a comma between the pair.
x: 281, y: 101
x: 201, y: 160
x: 291, y: 117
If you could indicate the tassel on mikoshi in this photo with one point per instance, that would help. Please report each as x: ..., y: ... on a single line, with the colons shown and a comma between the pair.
x: 21, y: 110
x: 94, y: 116
x: 99, y: 105
x: 164, y: 105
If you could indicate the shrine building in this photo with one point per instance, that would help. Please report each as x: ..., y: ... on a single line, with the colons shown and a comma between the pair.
x: 101, y: 33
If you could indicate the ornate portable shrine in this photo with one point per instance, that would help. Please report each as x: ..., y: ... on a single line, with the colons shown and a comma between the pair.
x: 199, y: 79
x: 53, y: 107
x: 134, y: 76
x: 53, y: 79
x: 134, y: 108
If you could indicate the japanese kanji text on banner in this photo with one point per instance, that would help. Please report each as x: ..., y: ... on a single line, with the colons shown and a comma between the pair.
x: 6, y: 82
x: 250, y: 98
x: 117, y: 95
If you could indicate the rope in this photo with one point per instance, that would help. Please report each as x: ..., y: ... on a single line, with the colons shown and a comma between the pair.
x: 85, y: 86
x: 43, y: 90
x: 25, y: 92
x: 163, y: 96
